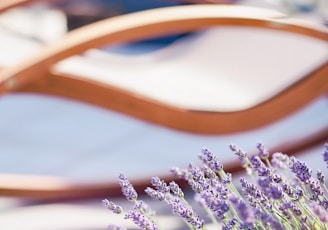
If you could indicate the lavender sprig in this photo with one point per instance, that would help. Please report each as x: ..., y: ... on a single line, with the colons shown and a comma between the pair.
x: 284, y: 194
x: 140, y: 214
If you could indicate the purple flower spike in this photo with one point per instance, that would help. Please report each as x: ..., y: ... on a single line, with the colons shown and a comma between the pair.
x: 242, y: 155
x: 210, y: 160
x: 275, y: 192
x: 239, y: 152
x: 139, y: 219
x: 214, y: 203
x: 280, y: 160
x: 159, y: 184
x: 259, y: 166
x: 320, y: 212
x: 325, y: 154
x: 320, y: 176
x: 180, y: 173
x: 301, y: 170
x: 263, y: 152
x: 127, y: 189
x: 244, y: 213
x: 186, y: 213
x: 156, y: 195
x: 112, y: 206
x: 230, y: 225
x: 144, y: 208
x: 176, y: 190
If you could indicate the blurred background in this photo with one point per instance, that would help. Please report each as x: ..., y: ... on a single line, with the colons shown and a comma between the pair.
x: 47, y: 139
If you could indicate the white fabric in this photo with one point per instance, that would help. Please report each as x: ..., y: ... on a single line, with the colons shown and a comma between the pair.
x: 23, y: 31
x: 221, y: 69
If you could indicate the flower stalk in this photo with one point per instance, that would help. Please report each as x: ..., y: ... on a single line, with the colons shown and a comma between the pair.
x: 284, y: 194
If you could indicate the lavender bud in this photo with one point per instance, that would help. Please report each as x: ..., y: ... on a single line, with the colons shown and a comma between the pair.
x: 159, y: 184
x: 230, y: 224
x: 325, y: 154
x: 209, y: 159
x: 321, y: 213
x: 127, y: 189
x: 227, y: 179
x: 186, y: 213
x: 144, y: 208
x: 263, y: 152
x: 320, y: 176
x: 241, y: 155
x: 280, y: 160
x: 139, y: 219
x: 176, y: 190
x: 244, y: 213
x: 239, y: 152
x: 302, y: 171
x: 112, y: 206
x: 214, y: 203
x: 275, y: 192
x: 180, y: 173
x: 316, y: 187
x: 156, y: 195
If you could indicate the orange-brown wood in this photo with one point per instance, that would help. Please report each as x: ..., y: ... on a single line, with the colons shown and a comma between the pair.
x: 34, y: 75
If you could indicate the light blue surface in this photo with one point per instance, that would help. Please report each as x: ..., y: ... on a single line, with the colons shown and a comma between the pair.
x: 53, y: 136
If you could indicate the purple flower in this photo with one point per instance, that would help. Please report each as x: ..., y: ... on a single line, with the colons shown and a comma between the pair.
x: 316, y: 188
x: 213, y: 179
x: 197, y: 178
x: 159, y: 184
x: 325, y: 154
x: 274, y: 192
x: 210, y: 160
x: 320, y: 212
x: 227, y: 179
x: 230, y: 224
x: 242, y: 155
x: 222, y: 190
x: 112, y: 206
x: 263, y: 152
x: 268, y: 219
x: 144, y: 208
x: 127, y: 189
x: 264, y: 182
x: 276, y: 202
x: 218, y: 206
x: 176, y: 190
x: 139, y: 219
x: 302, y: 171
x: 244, y: 212
x: 287, y: 189
x: 320, y: 176
x: 285, y: 207
x: 277, y: 178
x: 156, y: 195
x: 180, y: 173
x: 280, y: 161
x: 186, y: 213
x: 259, y: 166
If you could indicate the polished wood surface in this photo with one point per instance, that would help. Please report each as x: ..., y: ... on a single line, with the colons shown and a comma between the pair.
x: 34, y: 75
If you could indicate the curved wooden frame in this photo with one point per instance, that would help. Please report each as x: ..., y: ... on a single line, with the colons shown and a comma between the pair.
x: 38, y: 75
x: 34, y: 76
